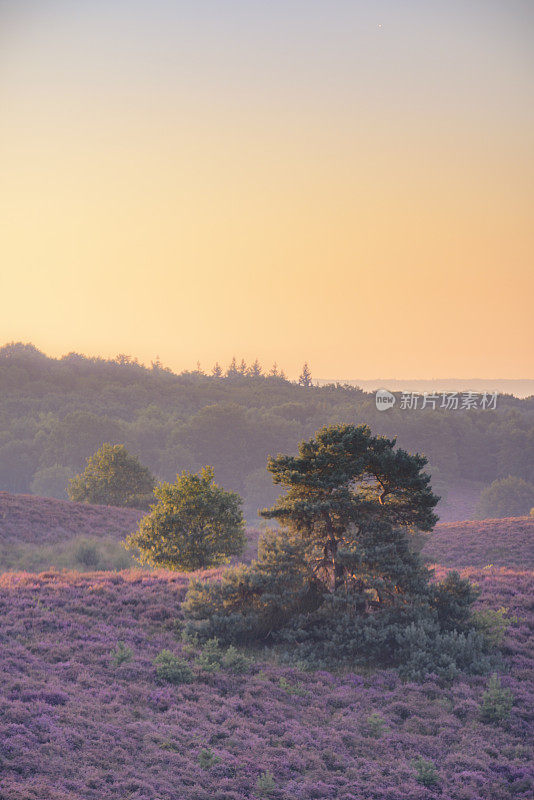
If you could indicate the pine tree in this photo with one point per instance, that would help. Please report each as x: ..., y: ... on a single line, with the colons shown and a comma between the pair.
x: 255, y: 371
x: 345, y: 480
x: 217, y: 370
x: 274, y: 370
x: 232, y: 370
x: 339, y: 582
x: 242, y: 369
x: 305, y: 379
x: 350, y: 498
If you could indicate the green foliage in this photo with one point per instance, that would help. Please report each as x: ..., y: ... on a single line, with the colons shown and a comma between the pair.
x: 68, y: 554
x: 426, y: 772
x: 374, y: 726
x: 265, y: 785
x: 493, y: 624
x: 453, y: 599
x: 340, y: 582
x: 235, y: 661
x: 507, y: 497
x: 113, y: 477
x: 171, y: 669
x: 210, y: 657
x: 51, y: 481
x: 121, y: 654
x: 194, y: 524
x: 497, y: 702
x: 177, y: 422
x: 292, y: 688
x: 271, y: 591
x: 207, y: 758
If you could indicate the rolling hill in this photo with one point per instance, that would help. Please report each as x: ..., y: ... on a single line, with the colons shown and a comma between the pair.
x: 26, y: 520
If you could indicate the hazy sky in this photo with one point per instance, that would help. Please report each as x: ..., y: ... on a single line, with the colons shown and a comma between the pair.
x: 345, y: 182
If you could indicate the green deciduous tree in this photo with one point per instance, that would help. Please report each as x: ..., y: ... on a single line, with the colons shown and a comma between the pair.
x: 508, y: 497
x: 113, y: 477
x: 194, y: 524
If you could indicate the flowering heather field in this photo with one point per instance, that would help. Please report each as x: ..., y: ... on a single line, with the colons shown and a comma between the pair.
x: 42, y: 520
x: 501, y: 542
x: 75, y: 725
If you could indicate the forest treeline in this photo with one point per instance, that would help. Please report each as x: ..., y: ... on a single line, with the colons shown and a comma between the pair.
x: 55, y: 413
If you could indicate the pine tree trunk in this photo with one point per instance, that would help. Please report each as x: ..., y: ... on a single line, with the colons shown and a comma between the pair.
x: 333, y: 547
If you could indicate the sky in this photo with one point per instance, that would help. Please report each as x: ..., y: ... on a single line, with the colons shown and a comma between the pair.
x: 341, y: 182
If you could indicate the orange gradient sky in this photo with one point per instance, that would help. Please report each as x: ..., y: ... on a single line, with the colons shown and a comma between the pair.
x: 348, y: 183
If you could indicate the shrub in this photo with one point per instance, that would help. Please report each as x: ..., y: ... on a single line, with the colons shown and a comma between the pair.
x: 292, y: 688
x: 374, y: 726
x: 207, y: 759
x: 171, y: 669
x: 211, y: 656
x: 121, y: 654
x: 235, y: 661
x: 265, y: 785
x: 496, y: 702
x: 493, y: 624
x: 426, y: 772
x: 87, y: 554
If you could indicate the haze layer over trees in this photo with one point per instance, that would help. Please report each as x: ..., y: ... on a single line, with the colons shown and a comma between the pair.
x: 55, y: 413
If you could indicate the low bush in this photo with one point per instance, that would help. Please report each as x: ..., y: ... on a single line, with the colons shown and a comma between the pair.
x: 493, y: 624
x: 210, y: 657
x: 265, y: 785
x: 374, y: 726
x: 171, y: 669
x: 426, y: 772
x: 235, y: 661
x: 292, y: 688
x: 87, y: 554
x: 207, y: 759
x: 121, y: 654
x: 496, y: 703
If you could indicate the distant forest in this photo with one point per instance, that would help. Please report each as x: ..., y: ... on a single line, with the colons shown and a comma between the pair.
x: 54, y: 413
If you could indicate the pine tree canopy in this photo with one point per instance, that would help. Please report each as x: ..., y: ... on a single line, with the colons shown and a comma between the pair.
x: 345, y: 481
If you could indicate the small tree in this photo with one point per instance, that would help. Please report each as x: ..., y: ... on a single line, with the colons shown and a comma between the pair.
x: 508, y: 497
x: 255, y: 371
x: 194, y: 524
x: 113, y: 477
x: 232, y: 370
x: 305, y: 379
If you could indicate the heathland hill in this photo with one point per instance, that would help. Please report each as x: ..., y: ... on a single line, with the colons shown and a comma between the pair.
x: 37, y: 522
